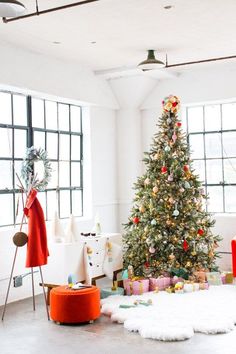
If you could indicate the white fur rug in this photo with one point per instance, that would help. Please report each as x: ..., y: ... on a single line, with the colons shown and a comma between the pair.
x: 174, y: 317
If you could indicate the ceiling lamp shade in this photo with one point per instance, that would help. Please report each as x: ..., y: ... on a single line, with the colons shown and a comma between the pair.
x: 11, y: 8
x: 151, y: 63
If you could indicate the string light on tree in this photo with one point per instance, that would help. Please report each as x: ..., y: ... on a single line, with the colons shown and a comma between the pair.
x: 168, y: 228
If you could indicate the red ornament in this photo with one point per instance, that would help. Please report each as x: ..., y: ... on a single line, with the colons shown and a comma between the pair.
x: 136, y: 220
x: 174, y: 104
x: 179, y: 124
x: 146, y: 265
x: 163, y: 169
x: 200, y: 232
x: 186, y: 168
x: 185, y: 245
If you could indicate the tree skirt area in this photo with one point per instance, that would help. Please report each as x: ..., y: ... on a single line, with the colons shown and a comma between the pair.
x: 174, y: 317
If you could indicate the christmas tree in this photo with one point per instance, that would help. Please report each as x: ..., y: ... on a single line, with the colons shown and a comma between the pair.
x: 168, y: 229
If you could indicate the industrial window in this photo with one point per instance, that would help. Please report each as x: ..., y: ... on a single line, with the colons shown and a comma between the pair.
x: 54, y: 126
x: 211, y: 132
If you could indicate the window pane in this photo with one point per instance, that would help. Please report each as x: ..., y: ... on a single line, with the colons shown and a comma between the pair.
x: 19, y: 207
x: 195, y: 119
x: 199, y: 166
x: 75, y: 174
x: 228, y: 116
x: 6, y: 175
x: 75, y: 119
x: 229, y: 145
x: 196, y: 146
x: 212, y: 117
x: 213, y: 145
x: 63, y: 116
x: 20, y: 143
x: 39, y: 140
x: 77, y: 203
x: 64, y: 174
x: 214, y: 171
x: 17, y: 170
x: 54, y: 178
x: 52, y: 145
x: 52, y: 204
x: 64, y: 147
x: 19, y: 110
x: 230, y: 170
x: 6, y: 209
x: 215, y: 201
x: 37, y: 113
x: 230, y: 197
x: 75, y: 147
x: 42, y: 200
x: 64, y: 204
x: 5, y: 108
x: 51, y: 115
x: 6, y: 142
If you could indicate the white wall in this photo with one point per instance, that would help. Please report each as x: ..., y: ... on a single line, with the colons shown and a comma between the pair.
x: 32, y: 72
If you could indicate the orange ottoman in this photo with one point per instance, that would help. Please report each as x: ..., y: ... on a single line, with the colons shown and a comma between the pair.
x: 74, y: 306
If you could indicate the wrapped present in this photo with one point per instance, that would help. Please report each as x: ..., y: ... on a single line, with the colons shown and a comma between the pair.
x: 214, y: 278
x: 176, y: 279
x: 188, y: 287
x: 223, y: 278
x: 196, y: 287
x: 204, y: 286
x: 200, y: 276
x: 136, y: 287
x: 160, y: 283
x: 229, y: 278
x: 105, y: 292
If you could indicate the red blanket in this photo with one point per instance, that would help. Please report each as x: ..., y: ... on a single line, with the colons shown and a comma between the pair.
x: 37, y: 250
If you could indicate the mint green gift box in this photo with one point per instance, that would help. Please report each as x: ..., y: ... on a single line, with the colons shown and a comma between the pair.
x: 105, y: 292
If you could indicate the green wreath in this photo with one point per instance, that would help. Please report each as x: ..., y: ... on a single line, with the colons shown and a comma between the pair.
x: 27, y: 169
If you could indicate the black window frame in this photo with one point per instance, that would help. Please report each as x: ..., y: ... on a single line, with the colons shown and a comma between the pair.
x: 30, y: 130
x: 206, y: 158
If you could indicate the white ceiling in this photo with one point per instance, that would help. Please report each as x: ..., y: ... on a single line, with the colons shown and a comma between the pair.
x: 124, y: 29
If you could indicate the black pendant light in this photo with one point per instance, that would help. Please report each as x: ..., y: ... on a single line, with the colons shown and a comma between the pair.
x: 151, y: 63
x: 11, y: 8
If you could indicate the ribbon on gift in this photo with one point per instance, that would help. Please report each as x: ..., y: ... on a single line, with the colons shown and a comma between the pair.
x: 131, y: 287
x: 141, y: 288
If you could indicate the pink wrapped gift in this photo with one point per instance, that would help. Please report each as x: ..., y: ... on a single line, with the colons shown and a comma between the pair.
x: 176, y: 279
x: 223, y: 278
x: 161, y: 283
x: 204, y: 286
x: 136, y: 287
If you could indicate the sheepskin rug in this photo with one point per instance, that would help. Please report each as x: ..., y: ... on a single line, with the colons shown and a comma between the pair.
x: 175, y: 317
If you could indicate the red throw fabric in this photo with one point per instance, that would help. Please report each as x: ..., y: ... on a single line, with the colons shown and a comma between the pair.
x: 233, y: 247
x: 37, y: 250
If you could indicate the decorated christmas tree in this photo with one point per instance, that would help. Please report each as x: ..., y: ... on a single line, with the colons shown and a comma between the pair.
x: 168, y: 229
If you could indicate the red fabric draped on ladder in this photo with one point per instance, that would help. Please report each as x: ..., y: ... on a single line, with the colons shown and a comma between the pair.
x: 37, y: 250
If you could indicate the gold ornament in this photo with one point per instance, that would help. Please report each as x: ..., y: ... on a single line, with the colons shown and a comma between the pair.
x: 141, y: 209
x: 171, y: 256
x: 193, y: 253
x: 188, y: 264
x: 171, y: 200
x: 155, y: 189
x: 156, y: 156
x: 168, y: 222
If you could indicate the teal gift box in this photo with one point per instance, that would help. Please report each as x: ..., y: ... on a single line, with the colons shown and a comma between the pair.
x: 105, y: 292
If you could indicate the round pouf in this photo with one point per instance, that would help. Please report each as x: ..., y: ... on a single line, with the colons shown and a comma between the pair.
x: 74, y: 306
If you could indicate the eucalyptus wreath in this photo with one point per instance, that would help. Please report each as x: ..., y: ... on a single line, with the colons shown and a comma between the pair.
x: 27, y: 169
